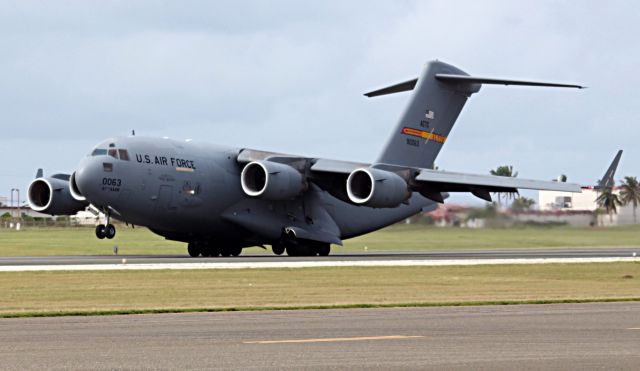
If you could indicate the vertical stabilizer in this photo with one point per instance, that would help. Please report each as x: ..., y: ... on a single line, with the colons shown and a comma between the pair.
x: 437, y: 99
x: 428, y: 118
x: 607, y: 180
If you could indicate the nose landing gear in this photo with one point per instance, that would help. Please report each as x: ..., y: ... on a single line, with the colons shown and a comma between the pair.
x: 106, y: 231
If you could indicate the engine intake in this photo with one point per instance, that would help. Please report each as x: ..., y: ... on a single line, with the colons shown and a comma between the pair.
x: 271, y: 180
x: 74, y: 190
x: 52, y: 196
x: 376, y: 188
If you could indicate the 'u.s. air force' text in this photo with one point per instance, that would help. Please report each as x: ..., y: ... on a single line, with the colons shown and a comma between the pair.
x: 167, y: 161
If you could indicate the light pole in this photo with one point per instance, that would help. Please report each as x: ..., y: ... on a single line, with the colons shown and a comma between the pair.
x: 18, y: 199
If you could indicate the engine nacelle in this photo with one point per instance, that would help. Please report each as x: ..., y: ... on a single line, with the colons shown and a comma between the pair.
x: 376, y: 188
x: 271, y: 180
x: 51, y: 195
x: 74, y: 190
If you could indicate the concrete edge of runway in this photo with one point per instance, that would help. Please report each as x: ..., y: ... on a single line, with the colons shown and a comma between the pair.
x: 312, y: 264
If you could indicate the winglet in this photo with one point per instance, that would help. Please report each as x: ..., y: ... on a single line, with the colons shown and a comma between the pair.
x: 607, y: 180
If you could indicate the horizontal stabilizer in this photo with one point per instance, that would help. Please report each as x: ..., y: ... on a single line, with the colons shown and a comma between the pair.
x: 397, y: 88
x: 487, y: 80
x: 448, y: 78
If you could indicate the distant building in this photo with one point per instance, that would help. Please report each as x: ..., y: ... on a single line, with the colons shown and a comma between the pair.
x: 583, y: 202
x: 83, y: 217
x: 449, y: 214
x: 19, y: 212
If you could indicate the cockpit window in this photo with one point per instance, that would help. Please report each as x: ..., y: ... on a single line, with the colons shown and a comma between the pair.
x: 117, y: 153
x: 124, y: 154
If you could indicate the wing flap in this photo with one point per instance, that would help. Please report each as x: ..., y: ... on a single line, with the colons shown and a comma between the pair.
x: 336, y: 166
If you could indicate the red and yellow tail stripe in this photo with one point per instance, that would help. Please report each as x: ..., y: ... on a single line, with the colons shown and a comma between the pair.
x: 423, y: 134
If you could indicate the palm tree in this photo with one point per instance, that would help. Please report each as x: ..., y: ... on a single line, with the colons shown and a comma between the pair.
x: 630, y: 193
x: 609, y: 201
x: 522, y: 203
x: 505, y: 170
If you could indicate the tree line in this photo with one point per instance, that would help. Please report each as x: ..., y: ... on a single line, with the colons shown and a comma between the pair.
x: 607, y: 199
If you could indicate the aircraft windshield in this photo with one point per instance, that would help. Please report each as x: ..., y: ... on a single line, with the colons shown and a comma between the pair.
x: 121, y: 154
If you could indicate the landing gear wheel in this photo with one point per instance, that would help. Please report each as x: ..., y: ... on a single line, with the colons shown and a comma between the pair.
x: 292, y: 251
x: 225, y: 252
x: 100, y: 231
x: 210, y: 250
x: 277, y: 249
x: 193, y: 249
x: 236, y: 251
x: 323, y: 249
x: 301, y: 250
x: 110, y: 231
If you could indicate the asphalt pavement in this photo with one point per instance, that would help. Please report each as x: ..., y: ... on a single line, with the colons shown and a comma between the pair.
x: 335, y: 256
x: 545, y: 337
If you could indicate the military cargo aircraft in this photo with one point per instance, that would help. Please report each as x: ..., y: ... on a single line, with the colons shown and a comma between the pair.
x: 220, y: 200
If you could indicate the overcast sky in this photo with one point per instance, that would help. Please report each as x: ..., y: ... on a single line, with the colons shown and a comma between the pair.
x: 289, y: 76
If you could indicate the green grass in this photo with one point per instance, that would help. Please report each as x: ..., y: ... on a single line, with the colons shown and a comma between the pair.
x: 82, y: 241
x: 115, y: 292
x: 413, y: 237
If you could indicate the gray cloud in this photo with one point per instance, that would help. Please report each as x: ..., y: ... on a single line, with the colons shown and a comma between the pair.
x: 288, y: 76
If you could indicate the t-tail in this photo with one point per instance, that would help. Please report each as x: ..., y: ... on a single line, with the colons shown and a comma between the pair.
x: 607, y: 180
x: 438, y: 97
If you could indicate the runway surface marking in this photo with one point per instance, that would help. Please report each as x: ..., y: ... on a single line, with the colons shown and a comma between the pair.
x: 310, y: 264
x: 331, y: 340
x: 634, y: 328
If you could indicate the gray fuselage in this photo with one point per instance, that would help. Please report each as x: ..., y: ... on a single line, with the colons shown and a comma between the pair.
x: 185, y: 191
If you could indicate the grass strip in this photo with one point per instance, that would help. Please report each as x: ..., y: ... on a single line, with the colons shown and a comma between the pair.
x: 82, y: 241
x: 118, y: 292
x: 308, y: 307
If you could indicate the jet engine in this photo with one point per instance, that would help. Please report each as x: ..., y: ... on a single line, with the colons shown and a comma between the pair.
x: 376, y: 188
x: 74, y: 190
x: 271, y: 180
x: 50, y: 195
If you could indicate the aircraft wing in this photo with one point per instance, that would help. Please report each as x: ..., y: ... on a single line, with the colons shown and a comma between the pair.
x: 433, y: 183
x: 430, y: 183
x: 449, y: 181
x: 331, y: 175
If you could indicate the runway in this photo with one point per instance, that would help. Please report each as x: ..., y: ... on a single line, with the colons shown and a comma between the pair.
x: 551, y: 253
x: 566, y: 336
x: 265, y: 261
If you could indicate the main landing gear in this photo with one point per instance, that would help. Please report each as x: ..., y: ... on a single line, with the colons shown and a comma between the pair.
x: 302, y: 248
x: 205, y: 250
x: 299, y: 247
x: 106, y: 231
